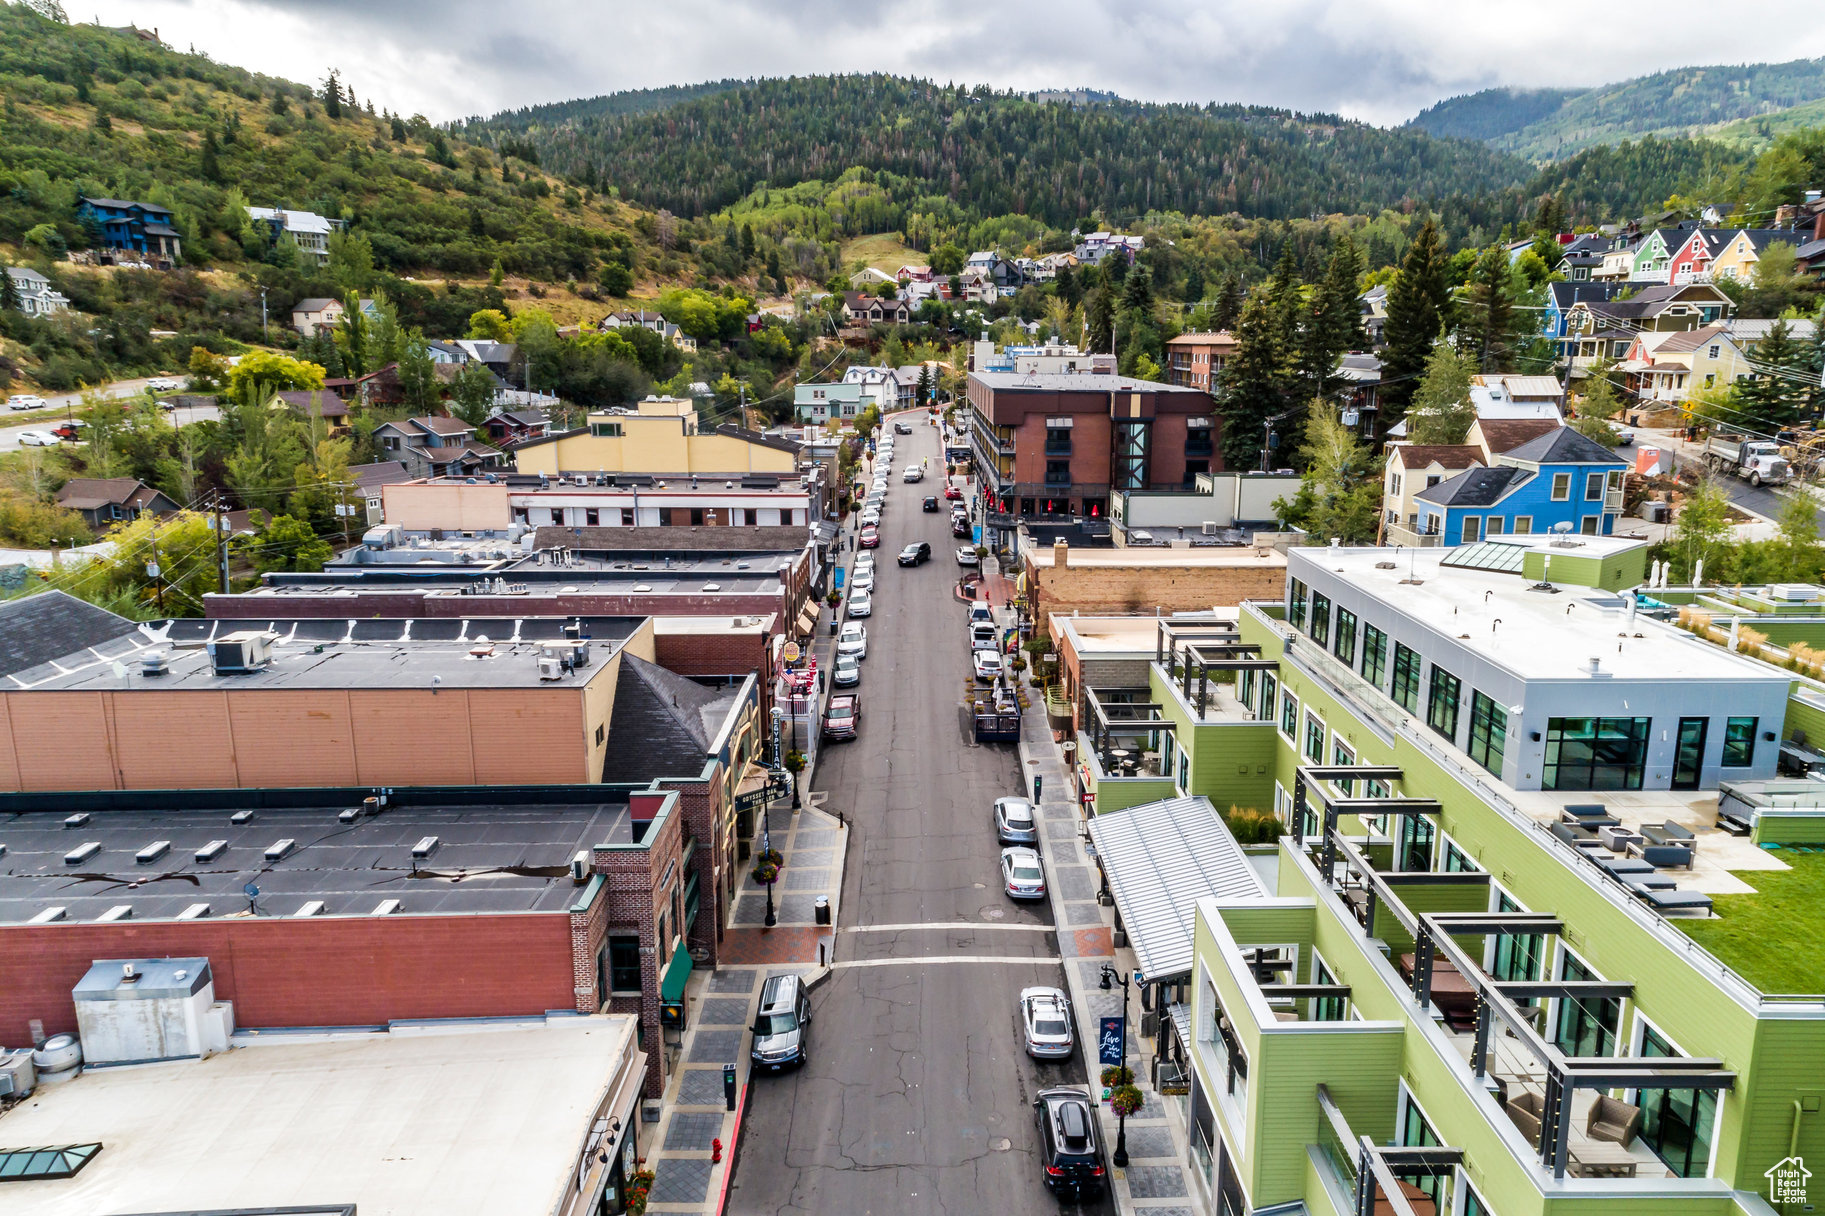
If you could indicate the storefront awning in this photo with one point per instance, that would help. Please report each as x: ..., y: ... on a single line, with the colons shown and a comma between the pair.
x: 671, y: 988
x: 1160, y: 859
x: 807, y: 619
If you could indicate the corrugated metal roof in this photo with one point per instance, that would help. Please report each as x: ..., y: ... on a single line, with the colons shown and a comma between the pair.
x: 1161, y: 858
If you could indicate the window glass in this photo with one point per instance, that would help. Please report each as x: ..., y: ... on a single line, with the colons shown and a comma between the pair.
x: 1523, y: 524
x: 1406, y: 678
x: 1295, y: 603
x: 1321, y: 619
x: 1586, y: 1025
x: 1676, y: 1123
x: 1345, y: 642
x: 1488, y: 732
x: 1562, y: 486
x: 1441, y: 702
x: 1593, y: 486
x: 1289, y: 715
x: 1246, y: 688
x: 1265, y: 708
x: 1473, y: 530
x: 624, y: 964
x: 1739, y: 742
x: 1374, y: 655
x: 1314, y: 738
x: 1595, y: 753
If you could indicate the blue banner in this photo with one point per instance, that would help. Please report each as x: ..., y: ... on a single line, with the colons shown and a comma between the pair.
x: 1109, y: 1041
x: 839, y: 578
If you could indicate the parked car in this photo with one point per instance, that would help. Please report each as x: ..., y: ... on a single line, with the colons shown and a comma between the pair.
x: 162, y: 384
x: 853, y: 640
x: 1070, y: 1144
x: 960, y: 528
x: 69, y: 428
x: 1014, y: 823
x: 864, y: 561
x: 1021, y: 874
x: 953, y: 493
x: 981, y: 614
x: 966, y: 555
x: 843, y: 716
x: 902, y: 428
x: 913, y: 473
x: 37, y: 439
x: 916, y: 553
x: 781, y: 1024
x: 26, y: 401
x: 848, y: 671
x: 861, y: 604
x: 871, y: 536
x: 1045, y: 1014
x: 982, y: 636
x: 862, y: 579
x: 167, y: 404
x: 988, y: 666
x: 871, y: 517
x: 930, y: 504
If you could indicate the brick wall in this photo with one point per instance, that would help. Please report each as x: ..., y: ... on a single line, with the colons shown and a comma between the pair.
x: 712, y: 654
x: 328, y: 971
x: 632, y: 906
x: 1105, y: 589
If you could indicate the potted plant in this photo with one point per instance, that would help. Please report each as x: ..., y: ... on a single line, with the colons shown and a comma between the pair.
x: 1115, y: 1075
x: 766, y: 868
x: 834, y: 598
x: 638, y: 1187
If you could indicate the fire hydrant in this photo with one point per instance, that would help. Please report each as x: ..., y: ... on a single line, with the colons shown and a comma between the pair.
x: 715, y: 1151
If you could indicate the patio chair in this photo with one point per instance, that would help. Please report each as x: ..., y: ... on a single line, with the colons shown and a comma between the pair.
x: 1579, y: 837
x: 1624, y: 867
x: 1669, y: 902
x: 1526, y: 1110
x: 1613, y: 1120
x: 1663, y: 856
x: 1669, y: 833
x: 1589, y: 816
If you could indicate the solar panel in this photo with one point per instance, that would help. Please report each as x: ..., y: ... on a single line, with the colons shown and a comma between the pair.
x: 1487, y: 555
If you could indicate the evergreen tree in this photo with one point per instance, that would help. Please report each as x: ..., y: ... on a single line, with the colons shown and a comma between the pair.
x: 211, y: 158
x: 1254, y: 385
x: 747, y: 243
x: 1598, y: 405
x: 1067, y: 286
x: 1229, y: 304
x: 1419, y: 308
x: 1780, y: 390
x: 9, y: 292
x: 332, y: 97
x: 1194, y: 285
x: 1099, y: 320
x: 1114, y: 268
x: 417, y: 374
x: 1441, y: 411
x: 1333, y: 322
x: 352, y: 337
x: 471, y: 393
x: 1488, y: 315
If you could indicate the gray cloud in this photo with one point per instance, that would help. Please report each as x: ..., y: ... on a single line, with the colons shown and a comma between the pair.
x: 1380, y: 60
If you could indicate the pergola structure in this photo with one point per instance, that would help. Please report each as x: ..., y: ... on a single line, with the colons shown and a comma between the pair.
x: 1193, y: 652
x: 1378, y: 1170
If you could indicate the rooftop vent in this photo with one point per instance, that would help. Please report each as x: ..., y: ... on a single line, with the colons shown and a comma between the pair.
x: 54, y: 912
x: 152, y: 852
x: 241, y: 817
x: 240, y: 653
x: 279, y: 850
x: 211, y: 851
x: 312, y: 907
x: 425, y: 847
x: 194, y: 912
x: 551, y: 668
x: 387, y: 907
x: 82, y: 853
x: 154, y: 664
x: 117, y: 912
x: 350, y: 815
x: 79, y: 819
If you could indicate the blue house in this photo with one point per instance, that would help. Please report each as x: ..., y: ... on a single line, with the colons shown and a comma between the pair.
x: 142, y: 228
x: 1560, y: 297
x: 1559, y: 478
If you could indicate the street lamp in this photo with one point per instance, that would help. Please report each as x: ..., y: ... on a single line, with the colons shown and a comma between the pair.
x: 1111, y: 977
x: 766, y: 820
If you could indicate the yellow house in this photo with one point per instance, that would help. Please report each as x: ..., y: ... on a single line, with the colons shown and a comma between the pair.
x: 659, y: 435
x: 1737, y: 259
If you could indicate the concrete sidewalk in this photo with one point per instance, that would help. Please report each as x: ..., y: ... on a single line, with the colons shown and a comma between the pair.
x: 720, y: 1007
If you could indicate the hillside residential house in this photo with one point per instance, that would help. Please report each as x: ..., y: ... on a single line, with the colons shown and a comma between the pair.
x: 1740, y: 254
x: 1583, y: 256
x: 37, y: 298
x: 1375, y: 314
x: 1092, y: 249
x: 309, y: 231
x: 497, y: 357
x: 891, y: 388
x: 1560, y: 296
x: 322, y: 404
x: 316, y: 314
x: 370, y: 478
x: 1493, y: 436
x: 1605, y: 329
x: 1410, y: 468
x: 634, y: 318
x: 821, y: 403
x: 124, y: 226
x: 868, y: 278
x: 1194, y: 360
x: 915, y: 274
x: 1654, y: 254
x: 435, y: 446
x: 1558, y: 478
x: 1749, y: 333
x: 861, y: 308
x: 505, y: 426
x: 110, y: 500
x: 1005, y: 274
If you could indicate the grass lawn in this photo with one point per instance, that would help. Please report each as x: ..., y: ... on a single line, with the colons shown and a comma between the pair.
x: 884, y: 251
x: 1771, y: 938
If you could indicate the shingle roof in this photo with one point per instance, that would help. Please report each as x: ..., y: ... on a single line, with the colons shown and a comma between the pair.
x: 1692, y: 339
x: 437, y: 424
x: 380, y: 473
x: 661, y: 725
x: 314, y: 404
x: 1563, y: 446
x: 1446, y: 455
x: 87, y: 493
x: 314, y: 303
x: 35, y: 629
x: 1474, y: 487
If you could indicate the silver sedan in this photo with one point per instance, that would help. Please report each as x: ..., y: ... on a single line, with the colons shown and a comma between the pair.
x: 1045, y: 1015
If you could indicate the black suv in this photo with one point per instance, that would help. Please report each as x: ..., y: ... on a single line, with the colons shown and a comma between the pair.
x: 916, y: 553
x: 931, y: 503
x: 1070, y: 1144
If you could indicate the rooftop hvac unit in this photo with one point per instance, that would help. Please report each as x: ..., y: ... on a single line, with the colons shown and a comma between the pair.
x: 82, y: 853
x: 154, y: 664
x: 152, y: 852
x: 278, y: 850
x: 579, y: 867
x: 194, y: 912
x: 551, y: 668
x: 241, y: 817
x: 79, y: 819
x: 1793, y: 593
x: 17, y: 1075
x: 211, y: 851
x: 139, y: 1010
x: 1210, y: 527
x: 425, y: 847
x: 312, y: 907
x: 241, y: 652
x: 117, y: 912
x: 350, y: 815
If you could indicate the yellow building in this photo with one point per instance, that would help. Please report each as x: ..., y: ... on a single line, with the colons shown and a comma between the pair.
x: 1740, y: 254
x: 659, y: 435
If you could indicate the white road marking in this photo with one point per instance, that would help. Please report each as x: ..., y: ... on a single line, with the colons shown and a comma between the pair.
x: 944, y: 924
x: 928, y: 960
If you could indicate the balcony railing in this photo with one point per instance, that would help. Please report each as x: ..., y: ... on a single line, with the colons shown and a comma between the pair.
x: 1398, y: 534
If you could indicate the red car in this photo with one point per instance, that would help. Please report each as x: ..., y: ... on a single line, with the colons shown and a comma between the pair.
x: 952, y: 492
x: 843, y: 716
x: 871, y: 539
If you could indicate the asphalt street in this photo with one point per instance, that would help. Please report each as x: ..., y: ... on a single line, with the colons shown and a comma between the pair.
x: 917, y: 1096
x: 1765, y: 501
x: 66, y: 404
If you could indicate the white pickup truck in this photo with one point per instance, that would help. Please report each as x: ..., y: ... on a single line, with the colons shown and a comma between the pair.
x: 1757, y: 461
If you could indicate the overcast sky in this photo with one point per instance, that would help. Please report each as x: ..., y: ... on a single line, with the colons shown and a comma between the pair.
x: 1380, y: 60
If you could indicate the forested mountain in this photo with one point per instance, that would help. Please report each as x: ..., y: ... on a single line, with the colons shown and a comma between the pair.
x: 1684, y: 101
x: 996, y: 153
x: 623, y: 103
x: 1635, y: 177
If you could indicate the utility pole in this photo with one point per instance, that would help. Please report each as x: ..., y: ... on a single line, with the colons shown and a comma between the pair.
x: 221, y: 540
x: 153, y: 572
x: 265, y: 331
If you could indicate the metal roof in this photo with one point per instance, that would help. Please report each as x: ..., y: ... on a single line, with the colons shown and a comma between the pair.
x: 1160, y: 859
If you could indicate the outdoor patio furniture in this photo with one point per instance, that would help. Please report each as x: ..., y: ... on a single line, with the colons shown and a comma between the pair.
x: 1589, y: 816
x: 1526, y: 1110
x: 1583, y: 1166
x: 1664, y: 856
x: 1614, y: 1120
x: 1617, y: 838
x: 1652, y: 881
x: 1678, y: 901
x: 1623, y: 867
x: 1578, y: 837
x: 1669, y: 833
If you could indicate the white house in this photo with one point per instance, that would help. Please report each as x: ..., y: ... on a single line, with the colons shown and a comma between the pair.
x: 309, y: 231
x: 37, y: 298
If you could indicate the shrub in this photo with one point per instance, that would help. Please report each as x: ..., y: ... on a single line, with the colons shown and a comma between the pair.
x: 1250, y: 825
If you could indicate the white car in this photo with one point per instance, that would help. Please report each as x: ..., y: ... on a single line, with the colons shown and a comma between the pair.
x: 37, y: 439
x: 853, y: 640
x: 162, y: 384
x: 871, y: 517
x: 988, y: 666
x: 848, y: 671
x: 1045, y: 1013
x: 913, y: 473
x: 1021, y: 874
x: 966, y: 556
x: 26, y: 401
x: 861, y: 604
x: 862, y: 580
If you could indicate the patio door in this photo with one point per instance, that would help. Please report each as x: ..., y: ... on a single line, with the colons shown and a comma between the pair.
x: 1689, y: 753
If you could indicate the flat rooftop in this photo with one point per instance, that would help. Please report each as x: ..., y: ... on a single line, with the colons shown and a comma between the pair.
x: 475, y: 556
x: 597, y: 482
x: 1077, y: 382
x: 1106, y: 635
x: 489, y: 858
x: 1154, y: 557
x: 485, y: 1121
x: 328, y: 653
x: 1535, y: 634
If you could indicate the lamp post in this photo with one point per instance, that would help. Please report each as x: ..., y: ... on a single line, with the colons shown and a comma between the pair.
x: 766, y: 822
x: 1110, y: 977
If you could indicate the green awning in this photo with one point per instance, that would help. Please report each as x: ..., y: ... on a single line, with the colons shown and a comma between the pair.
x: 671, y: 988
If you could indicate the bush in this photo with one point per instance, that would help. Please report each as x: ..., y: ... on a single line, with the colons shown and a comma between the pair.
x: 1251, y: 825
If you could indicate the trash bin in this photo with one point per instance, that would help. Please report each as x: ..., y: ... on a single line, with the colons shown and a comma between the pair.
x: 821, y: 909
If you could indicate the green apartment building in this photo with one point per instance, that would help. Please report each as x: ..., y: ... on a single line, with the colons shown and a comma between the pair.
x: 1463, y: 997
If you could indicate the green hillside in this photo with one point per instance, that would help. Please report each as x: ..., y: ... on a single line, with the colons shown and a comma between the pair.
x: 626, y: 102
x: 1683, y: 101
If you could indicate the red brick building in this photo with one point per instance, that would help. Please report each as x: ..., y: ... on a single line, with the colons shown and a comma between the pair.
x: 1194, y: 360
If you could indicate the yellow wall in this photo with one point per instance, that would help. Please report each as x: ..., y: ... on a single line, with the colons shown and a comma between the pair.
x: 651, y: 445
x: 1735, y: 263
x: 421, y: 506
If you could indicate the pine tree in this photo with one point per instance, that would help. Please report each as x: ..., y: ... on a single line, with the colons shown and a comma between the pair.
x: 1780, y: 390
x: 1419, y: 308
x: 1599, y: 404
x: 1441, y: 411
x: 1253, y: 385
x: 747, y: 243
x: 332, y: 96
x: 9, y: 292
x: 212, y: 163
x: 1488, y: 316
x: 1229, y: 304
x: 1333, y: 322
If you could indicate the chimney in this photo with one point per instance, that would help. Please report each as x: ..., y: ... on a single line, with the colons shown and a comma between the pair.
x: 1061, y: 553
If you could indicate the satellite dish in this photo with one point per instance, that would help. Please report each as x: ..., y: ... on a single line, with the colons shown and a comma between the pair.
x: 250, y: 891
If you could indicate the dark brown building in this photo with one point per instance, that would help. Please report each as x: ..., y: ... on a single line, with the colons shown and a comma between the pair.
x: 1056, y: 447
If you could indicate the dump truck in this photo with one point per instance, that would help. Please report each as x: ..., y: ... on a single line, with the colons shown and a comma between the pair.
x: 1757, y: 461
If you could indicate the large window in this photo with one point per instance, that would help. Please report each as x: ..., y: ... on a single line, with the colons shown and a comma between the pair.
x: 1516, y: 956
x: 1321, y: 619
x: 1441, y: 702
x: 1676, y: 1123
x: 1562, y: 487
x: 1739, y: 742
x: 1295, y: 603
x: 1245, y: 688
x: 1374, y: 655
x: 1488, y: 732
x: 1586, y: 1025
x: 1314, y: 738
x: 1269, y: 687
x: 1595, y: 753
x: 1406, y: 678
x: 624, y: 964
x: 1289, y: 715
x: 1593, y: 487
x: 1345, y: 644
